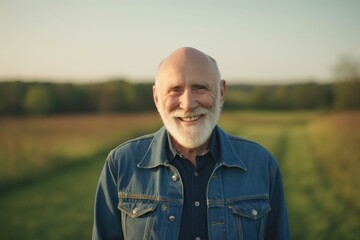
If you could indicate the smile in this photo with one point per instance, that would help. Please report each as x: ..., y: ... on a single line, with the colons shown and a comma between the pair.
x: 190, y: 119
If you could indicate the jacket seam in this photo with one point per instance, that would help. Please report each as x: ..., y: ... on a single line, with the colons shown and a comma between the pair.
x: 147, y: 197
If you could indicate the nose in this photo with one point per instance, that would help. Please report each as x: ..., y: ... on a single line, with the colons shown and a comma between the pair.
x: 188, y: 100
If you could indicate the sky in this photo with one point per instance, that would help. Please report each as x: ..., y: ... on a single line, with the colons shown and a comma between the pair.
x: 252, y: 41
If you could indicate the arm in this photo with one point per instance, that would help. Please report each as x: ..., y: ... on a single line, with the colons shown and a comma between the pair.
x: 277, y: 226
x: 107, y: 220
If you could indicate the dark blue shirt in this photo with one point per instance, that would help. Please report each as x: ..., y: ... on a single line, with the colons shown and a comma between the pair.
x: 195, y: 179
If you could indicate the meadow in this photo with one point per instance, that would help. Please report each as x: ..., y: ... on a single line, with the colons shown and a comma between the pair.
x: 49, y: 168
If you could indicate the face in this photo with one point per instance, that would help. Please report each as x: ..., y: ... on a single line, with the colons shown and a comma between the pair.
x: 188, y: 95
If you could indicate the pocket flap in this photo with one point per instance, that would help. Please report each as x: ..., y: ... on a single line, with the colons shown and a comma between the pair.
x: 254, y: 208
x: 136, y: 207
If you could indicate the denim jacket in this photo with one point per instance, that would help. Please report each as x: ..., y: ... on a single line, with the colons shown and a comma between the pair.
x: 140, y: 195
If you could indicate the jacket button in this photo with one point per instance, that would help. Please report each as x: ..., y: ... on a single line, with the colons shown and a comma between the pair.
x: 254, y: 212
x: 172, y: 218
x: 135, y: 210
x: 174, y: 178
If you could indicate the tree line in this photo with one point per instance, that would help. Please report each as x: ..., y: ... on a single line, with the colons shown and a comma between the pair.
x: 39, y: 98
x: 45, y: 98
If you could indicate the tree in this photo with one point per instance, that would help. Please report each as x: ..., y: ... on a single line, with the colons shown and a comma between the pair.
x: 347, y: 83
x: 38, y: 100
x: 307, y: 96
x: 11, y: 97
x: 117, y: 96
x: 280, y: 97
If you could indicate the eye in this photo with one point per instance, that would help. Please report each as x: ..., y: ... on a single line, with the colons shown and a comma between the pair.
x: 175, y: 90
x: 200, y: 88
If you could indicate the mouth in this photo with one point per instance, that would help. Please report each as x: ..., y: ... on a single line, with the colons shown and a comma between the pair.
x: 190, y: 118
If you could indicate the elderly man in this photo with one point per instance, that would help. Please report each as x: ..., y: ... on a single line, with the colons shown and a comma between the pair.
x: 190, y: 180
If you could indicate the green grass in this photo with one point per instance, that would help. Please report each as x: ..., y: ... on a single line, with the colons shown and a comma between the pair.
x: 31, y: 146
x: 335, y: 141
x: 315, y: 211
x: 59, y: 207
x: 58, y: 204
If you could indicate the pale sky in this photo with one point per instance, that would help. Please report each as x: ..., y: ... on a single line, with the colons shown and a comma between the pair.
x: 252, y: 41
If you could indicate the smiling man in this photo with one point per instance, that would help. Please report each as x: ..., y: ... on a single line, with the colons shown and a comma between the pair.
x: 190, y: 180
x: 188, y: 94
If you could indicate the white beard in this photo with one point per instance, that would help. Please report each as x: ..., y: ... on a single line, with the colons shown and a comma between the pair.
x: 192, y: 136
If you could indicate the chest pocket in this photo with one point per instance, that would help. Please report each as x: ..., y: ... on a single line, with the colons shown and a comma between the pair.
x: 250, y: 217
x: 136, y: 207
x: 137, y: 217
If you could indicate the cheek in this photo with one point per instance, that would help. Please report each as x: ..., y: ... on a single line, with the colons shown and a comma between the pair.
x: 170, y: 104
x: 206, y: 101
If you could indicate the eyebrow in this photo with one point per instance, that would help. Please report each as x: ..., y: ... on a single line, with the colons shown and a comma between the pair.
x: 196, y: 85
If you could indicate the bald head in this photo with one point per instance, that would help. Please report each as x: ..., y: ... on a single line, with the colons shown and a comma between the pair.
x: 188, y: 59
x: 188, y: 94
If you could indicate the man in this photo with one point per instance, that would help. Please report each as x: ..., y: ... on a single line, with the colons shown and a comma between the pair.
x: 190, y: 180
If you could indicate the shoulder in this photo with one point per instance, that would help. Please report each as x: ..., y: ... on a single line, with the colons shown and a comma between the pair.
x: 132, y: 149
x: 148, y: 149
x: 249, y: 152
x: 134, y: 145
x: 246, y: 145
x: 240, y: 144
x: 144, y: 140
x: 255, y: 156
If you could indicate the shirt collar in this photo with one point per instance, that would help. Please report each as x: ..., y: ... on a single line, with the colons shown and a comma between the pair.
x: 159, y: 152
x: 213, y: 147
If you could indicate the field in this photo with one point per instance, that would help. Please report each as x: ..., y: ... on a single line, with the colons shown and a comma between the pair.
x: 49, y: 168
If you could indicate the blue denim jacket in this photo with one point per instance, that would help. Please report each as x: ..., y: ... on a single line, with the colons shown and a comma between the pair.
x: 140, y: 195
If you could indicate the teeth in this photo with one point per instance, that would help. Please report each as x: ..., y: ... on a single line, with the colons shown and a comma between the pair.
x: 189, y: 119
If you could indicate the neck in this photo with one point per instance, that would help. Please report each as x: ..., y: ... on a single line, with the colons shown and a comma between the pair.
x: 191, y: 153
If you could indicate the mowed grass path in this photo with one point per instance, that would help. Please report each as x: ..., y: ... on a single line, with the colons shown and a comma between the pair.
x: 315, y: 211
x: 61, y: 205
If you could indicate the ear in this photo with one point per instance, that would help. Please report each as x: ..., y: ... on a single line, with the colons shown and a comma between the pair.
x: 222, y: 91
x: 155, y: 96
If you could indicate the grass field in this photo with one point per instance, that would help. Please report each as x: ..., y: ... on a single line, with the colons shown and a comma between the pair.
x: 30, y: 147
x: 49, y: 168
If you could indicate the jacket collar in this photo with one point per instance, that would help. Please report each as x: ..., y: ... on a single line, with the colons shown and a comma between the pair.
x: 225, y: 154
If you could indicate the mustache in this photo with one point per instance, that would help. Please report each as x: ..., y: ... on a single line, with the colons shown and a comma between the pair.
x: 185, y: 114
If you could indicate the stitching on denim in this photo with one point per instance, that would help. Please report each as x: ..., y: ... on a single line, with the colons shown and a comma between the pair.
x: 214, y: 203
x: 122, y: 195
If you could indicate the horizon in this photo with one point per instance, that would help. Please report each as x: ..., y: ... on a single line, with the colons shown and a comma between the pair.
x: 252, y: 42
x: 230, y: 82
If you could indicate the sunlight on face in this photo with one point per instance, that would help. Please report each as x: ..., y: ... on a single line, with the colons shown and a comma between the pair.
x: 188, y: 94
x: 194, y: 135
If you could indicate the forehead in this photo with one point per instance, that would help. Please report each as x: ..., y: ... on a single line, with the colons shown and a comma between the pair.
x: 187, y: 71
